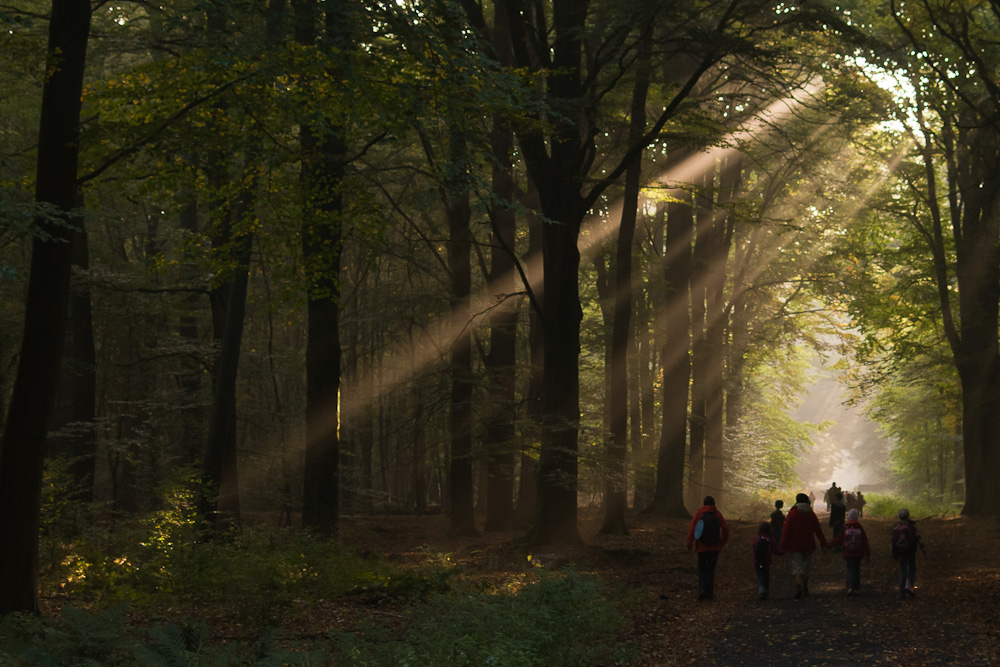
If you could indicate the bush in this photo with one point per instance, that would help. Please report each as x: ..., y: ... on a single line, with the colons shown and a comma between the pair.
x: 887, y: 505
x: 563, y: 619
x: 254, y: 574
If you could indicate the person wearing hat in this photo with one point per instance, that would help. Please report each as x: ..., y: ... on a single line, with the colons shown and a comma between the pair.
x: 798, y: 539
x: 709, y: 532
x: 855, y: 541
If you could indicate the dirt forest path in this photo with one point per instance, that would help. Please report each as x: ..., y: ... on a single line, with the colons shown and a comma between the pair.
x: 954, y: 620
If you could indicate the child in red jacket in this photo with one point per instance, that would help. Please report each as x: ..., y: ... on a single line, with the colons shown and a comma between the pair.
x: 855, y: 541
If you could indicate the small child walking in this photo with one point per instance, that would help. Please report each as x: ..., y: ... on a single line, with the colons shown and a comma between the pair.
x: 855, y: 543
x: 777, y: 520
x: 905, y: 540
x: 764, y: 549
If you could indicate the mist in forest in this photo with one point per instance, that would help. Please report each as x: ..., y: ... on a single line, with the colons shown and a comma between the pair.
x: 850, y: 451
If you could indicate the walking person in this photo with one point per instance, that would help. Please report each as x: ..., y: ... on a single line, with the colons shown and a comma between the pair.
x: 708, y: 532
x: 764, y: 549
x: 777, y: 520
x: 838, y: 512
x: 905, y: 540
x: 855, y: 544
x: 799, y: 539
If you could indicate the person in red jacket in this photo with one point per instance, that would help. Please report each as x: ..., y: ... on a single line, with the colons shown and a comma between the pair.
x: 709, y: 532
x: 797, y: 538
x: 855, y: 541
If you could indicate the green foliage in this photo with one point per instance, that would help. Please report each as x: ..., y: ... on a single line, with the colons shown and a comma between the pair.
x: 106, y: 639
x: 562, y: 619
x: 164, y: 561
x: 887, y: 505
x: 765, y: 446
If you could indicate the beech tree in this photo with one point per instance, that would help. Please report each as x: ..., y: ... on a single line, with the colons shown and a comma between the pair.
x: 22, y: 450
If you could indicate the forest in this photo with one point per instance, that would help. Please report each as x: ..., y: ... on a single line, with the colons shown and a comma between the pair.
x: 271, y: 270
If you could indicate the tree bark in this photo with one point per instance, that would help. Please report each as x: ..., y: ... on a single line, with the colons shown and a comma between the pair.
x: 459, y: 215
x: 675, y: 358
x: 502, y: 357
x: 616, y: 491
x: 22, y: 450
x: 322, y: 173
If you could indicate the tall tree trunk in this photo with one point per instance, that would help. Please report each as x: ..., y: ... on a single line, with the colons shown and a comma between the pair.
x: 643, y: 407
x: 502, y: 357
x: 616, y: 498
x: 701, y: 387
x: 22, y: 450
x: 675, y: 358
x: 459, y: 214
x: 220, y: 464
x: 716, y: 328
x: 321, y: 179
x: 527, y: 496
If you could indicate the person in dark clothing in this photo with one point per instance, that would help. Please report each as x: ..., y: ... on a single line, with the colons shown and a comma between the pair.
x: 777, y: 520
x: 838, y: 512
x: 764, y: 549
x: 799, y: 539
x: 708, y: 546
x: 905, y: 540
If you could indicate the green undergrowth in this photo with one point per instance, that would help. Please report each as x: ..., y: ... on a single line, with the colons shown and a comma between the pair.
x: 159, y: 592
x: 252, y: 575
x: 888, y: 505
x: 107, y: 638
x: 422, y: 617
x: 559, y: 619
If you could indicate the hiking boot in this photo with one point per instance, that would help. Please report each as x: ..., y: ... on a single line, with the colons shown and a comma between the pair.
x: 798, y: 592
x: 762, y: 596
x: 910, y: 593
x: 850, y: 592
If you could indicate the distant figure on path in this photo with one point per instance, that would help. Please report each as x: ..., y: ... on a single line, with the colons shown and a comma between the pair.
x: 764, y: 549
x: 905, y: 540
x: 855, y: 541
x: 838, y: 512
x: 777, y: 520
x: 812, y: 498
x: 801, y: 527
x: 830, y: 494
x: 861, y: 504
x: 709, y: 531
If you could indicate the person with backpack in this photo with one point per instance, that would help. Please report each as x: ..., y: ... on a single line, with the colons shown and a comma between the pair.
x: 764, y: 549
x: 799, y: 539
x: 905, y: 540
x: 708, y: 532
x: 855, y: 543
x: 777, y: 520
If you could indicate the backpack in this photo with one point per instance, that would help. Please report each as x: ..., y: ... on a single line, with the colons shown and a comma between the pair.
x: 902, y: 538
x: 761, y: 550
x: 853, y: 539
x: 707, y: 528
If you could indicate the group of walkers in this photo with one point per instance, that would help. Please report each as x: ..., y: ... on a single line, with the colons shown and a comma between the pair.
x: 796, y: 535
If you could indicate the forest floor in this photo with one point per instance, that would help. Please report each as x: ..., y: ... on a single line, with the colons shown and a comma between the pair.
x: 952, y: 621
